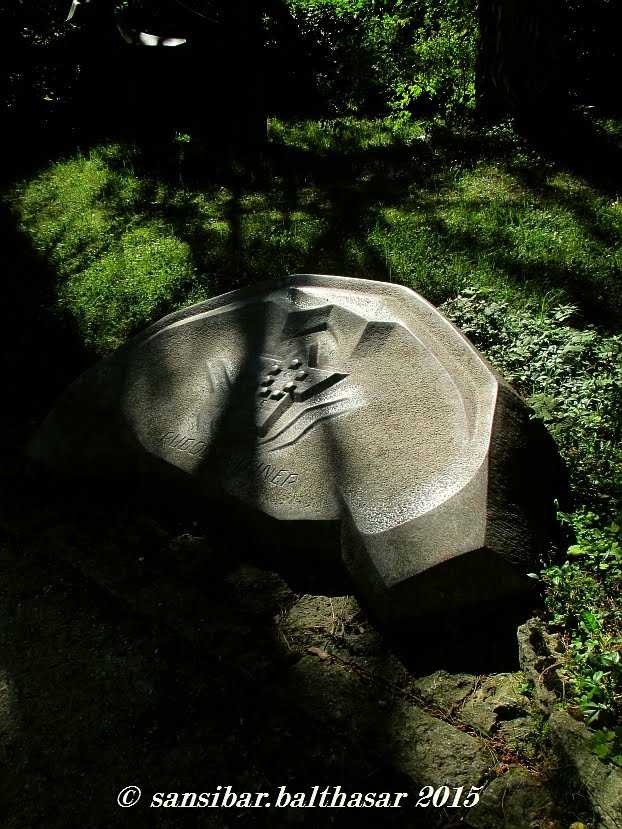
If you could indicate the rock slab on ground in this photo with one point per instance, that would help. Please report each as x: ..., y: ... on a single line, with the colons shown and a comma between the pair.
x: 319, y: 401
x: 602, y: 781
x: 539, y: 654
x: 514, y: 801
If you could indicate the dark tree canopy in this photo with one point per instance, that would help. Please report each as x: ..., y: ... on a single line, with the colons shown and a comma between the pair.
x: 233, y: 63
x: 536, y: 56
x: 98, y: 73
x: 521, y: 59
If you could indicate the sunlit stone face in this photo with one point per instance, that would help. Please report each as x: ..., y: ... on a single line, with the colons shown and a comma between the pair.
x: 308, y: 398
x: 322, y: 398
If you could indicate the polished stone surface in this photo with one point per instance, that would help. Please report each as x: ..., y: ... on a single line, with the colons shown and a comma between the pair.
x: 323, y: 398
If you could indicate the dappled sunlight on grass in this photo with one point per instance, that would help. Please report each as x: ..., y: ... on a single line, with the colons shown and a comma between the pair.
x: 335, y: 134
x: 133, y: 282
x: 434, y: 210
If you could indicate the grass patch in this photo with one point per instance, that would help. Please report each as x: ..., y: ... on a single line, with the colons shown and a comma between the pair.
x: 117, y: 266
x: 133, y: 281
x: 438, y: 211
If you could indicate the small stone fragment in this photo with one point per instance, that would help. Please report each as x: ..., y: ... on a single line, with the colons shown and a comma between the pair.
x: 602, y: 781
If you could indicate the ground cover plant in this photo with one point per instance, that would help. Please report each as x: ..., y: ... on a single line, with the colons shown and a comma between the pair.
x: 522, y: 253
x: 572, y: 378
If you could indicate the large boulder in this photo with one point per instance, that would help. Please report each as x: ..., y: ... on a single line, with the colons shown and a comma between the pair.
x: 319, y: 405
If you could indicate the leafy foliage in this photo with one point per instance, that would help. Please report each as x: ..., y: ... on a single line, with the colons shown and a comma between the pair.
x: 443, y: 60
x: 396, y: 56
x: 582, y: 597
x: 572, y: 378
x: 605, y: 743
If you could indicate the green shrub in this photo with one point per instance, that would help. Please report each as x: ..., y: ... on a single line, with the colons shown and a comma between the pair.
x: 570, y: 376
x: 440, y: 63
x: 572, y: 379
x: 583, y: 600
x: 391, y: 57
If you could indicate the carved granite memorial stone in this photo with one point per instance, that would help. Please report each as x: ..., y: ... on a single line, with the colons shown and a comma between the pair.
x: 318, y: 399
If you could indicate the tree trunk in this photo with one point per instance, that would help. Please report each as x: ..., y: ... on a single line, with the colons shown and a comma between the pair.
x: 519, y: 66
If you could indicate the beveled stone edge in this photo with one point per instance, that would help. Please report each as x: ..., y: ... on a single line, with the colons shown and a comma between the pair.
x: 301, y: 280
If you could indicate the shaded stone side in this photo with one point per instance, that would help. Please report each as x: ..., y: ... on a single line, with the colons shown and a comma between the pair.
x: 319, y: 400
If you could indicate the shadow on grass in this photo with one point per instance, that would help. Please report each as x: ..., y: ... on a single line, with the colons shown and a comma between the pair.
x: 359, y: 201
x: 331, y: 195
x: 576, y: 142
x: 43, y: 348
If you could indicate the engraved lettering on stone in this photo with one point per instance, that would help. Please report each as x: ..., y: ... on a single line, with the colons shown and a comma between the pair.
x: 182, y: 443
x: 262, y: 471
x: 220, y: 384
